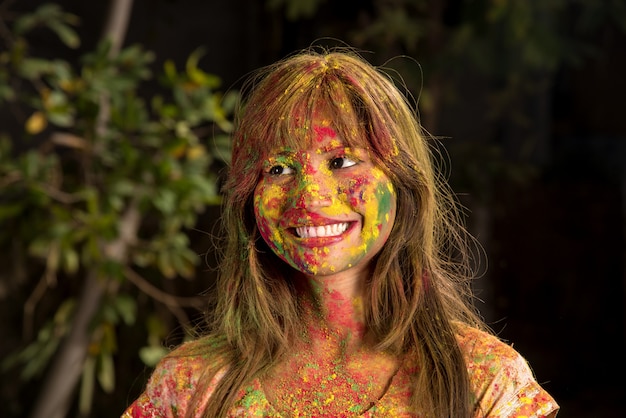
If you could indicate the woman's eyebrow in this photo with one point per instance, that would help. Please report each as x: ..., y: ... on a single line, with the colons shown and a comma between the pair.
x: 283, y: 152
x: 333, y: 147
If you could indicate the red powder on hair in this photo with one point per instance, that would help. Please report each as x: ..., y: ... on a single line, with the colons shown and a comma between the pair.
x: 323, y: 132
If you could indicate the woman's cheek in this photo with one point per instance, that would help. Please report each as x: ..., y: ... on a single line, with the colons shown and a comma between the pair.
x: 268, y: 202
x: 354, y: 192
x: 372, y: 196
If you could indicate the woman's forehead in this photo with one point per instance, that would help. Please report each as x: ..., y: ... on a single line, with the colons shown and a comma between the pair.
x: 319, y: 133
x: 315, y: 123
x: 323, y: 138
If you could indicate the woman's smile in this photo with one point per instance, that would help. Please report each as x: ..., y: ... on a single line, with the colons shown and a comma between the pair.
x: 322, y: 231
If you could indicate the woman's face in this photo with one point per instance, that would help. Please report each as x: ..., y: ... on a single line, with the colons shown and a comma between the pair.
x: 326, y: 208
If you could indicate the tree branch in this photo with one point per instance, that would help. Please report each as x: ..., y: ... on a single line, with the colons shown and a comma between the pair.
x: 32, y: 302
x: 161, y: 296
x: 58, y: 388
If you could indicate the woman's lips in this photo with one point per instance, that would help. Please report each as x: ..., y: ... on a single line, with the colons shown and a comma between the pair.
x: 322, y: 231
x: 322, y: 235
x: 311, y: 229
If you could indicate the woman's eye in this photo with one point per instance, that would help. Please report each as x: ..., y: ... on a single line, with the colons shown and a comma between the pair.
x: 341, y: 162
x: 279, y: 170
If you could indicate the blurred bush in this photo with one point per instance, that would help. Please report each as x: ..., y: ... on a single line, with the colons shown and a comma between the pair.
x: 98, y: 187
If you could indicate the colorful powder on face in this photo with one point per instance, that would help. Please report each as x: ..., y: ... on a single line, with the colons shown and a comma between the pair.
x: 324, y: 132
x: 312, y: 190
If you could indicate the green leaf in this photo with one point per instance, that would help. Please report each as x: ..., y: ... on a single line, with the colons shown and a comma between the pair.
x: 32, y: 68
x: 87, y: 386
x: 151, y: 355
x: 112, y: 269
x: 49, y: 11
x: 106, y: 372
x: 165, y: 265
x: 230, y: 100
x: 169, y: 67
x: 53, y: 259
x: 296, y: 9
x: 143, y: 258
x: 6, y: 92
x: 127, y: 308
x: 70, y: 260
x: 61, y: 118
x: 37, y: 356
x: 186, y: 263
x: 198, y: 76
x: 24, y: 24
x: 65, y: 312
x: 108, y: 314
x: 108, y: 342
x: 66, y: 34
x: 165, y: 201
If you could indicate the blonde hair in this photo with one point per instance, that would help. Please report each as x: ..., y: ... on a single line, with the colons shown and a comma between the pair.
x: 418, y: 292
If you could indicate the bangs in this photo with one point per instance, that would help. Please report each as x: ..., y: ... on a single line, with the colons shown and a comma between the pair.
x: 312, y: 97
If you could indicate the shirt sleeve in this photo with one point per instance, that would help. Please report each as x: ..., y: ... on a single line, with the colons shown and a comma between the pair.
x: 502, y: 380
x: 167, y: 393
x: 172, y: 386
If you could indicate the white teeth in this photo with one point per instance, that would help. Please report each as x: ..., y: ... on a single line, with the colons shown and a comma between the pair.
x: 322, y: 230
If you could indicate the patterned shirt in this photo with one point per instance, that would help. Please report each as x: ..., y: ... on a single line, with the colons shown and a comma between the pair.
x: 500, y: 379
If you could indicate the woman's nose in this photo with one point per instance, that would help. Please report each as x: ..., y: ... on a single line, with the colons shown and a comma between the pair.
x: 314, y: 191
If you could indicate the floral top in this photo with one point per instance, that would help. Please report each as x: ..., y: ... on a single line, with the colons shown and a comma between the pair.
x: 500, y: 379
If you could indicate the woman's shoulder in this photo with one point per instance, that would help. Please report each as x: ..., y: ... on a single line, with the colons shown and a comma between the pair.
x: 190, y: 358
x: 202, y: 349
x: 501, y: 379
x: 480, y: 346
x: 490, y: 359
x: 176, y: 378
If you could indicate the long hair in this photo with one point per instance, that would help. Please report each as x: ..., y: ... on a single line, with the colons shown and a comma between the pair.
x: 417, y: 295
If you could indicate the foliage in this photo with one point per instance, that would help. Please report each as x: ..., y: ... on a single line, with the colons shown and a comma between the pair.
x: 87, y: 148
x: 295, y: 10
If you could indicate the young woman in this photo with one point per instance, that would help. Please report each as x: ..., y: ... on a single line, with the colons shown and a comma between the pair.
x: 343, y: 290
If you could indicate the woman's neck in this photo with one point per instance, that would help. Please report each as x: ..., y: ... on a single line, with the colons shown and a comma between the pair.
x: 334, y: 311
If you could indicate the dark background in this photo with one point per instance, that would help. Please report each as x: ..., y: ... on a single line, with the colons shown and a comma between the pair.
x: 550, y: 215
